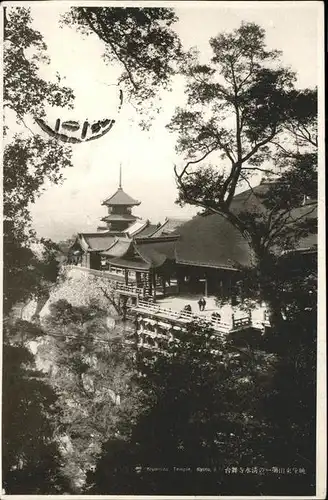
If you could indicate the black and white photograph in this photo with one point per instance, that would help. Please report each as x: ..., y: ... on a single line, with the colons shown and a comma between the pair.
x: 163, y: 249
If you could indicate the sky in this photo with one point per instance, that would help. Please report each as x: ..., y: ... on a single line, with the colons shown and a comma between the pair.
x: 147, y: 157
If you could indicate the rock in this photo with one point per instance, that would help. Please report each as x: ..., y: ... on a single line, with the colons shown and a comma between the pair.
x: 80, y: 288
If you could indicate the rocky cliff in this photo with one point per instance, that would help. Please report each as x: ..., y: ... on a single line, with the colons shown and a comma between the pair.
x: 82, y: 287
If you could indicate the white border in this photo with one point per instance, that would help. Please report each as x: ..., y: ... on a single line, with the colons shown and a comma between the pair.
x: 321, y: 334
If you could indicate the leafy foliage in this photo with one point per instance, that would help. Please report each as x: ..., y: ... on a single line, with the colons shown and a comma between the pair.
x: 24, y: 91
x: 31, y: 457
x: 31, y: 461
x: 141, y: 40
x: 26, y: 274
x: 29, y: 161
x: 93, y: 375
x: 216, y: 403
x: 239, y: 83
x: 244, y: 111
x: 202, y: 408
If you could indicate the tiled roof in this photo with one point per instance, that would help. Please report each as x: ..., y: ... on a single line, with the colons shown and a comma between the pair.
x: 135, y: 228
x: 251, y: 200
x: 120, y: 198
x: 156, y: 250
x: 145, y: 254
x: 119, y: 248
x: 168, y: 227
x: 148, y: 231
x: 212, y: 241
x: 306, y: 212
x: 97, y: 241
x: 137, y: 264
x: 140, y: 229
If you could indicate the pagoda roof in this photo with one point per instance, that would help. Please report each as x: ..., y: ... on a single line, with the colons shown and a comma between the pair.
x: 120, y: 198
x: 119, y: 217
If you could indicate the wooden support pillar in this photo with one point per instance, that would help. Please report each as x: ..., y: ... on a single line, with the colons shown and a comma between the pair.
x: 126, y: 276
x: 204, y: 280
x: 164, y: 286
x: 154, y: 284
x: 230, y: 290
x: 178, y: 284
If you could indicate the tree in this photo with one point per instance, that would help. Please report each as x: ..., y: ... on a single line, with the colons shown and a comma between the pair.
x: 92, y: 371
x: 31, y: 460
x: 27, y: 93
x: 238, y: 108
x: 202, y: 405
x: 26, y: 274
x: 31, y: 456
x: 244, y: 111
x: 140, y: 40
x: 29, y: 160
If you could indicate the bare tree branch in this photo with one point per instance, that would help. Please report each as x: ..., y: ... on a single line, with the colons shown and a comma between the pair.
x: 192, y: 162
x: 286, y: 221
x: 112, y: 301
x: 265, y: 170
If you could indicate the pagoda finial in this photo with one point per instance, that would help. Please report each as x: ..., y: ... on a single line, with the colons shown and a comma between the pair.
x: 120, y: 183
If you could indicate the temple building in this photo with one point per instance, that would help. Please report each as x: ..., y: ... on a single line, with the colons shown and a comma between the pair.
x: 204, y: 255
x: 158, y: 270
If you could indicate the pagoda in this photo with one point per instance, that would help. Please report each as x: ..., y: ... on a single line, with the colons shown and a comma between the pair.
x: 119, y: 206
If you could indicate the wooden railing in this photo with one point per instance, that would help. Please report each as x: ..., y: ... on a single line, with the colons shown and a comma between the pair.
x: 156, y: 309
x: 96, y: 272
x: 241, y: 322
x: 186, y: 317
x: 182, y: 316
x: 131, y: 289
x: 266, y: 316
x: 114, y: 278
